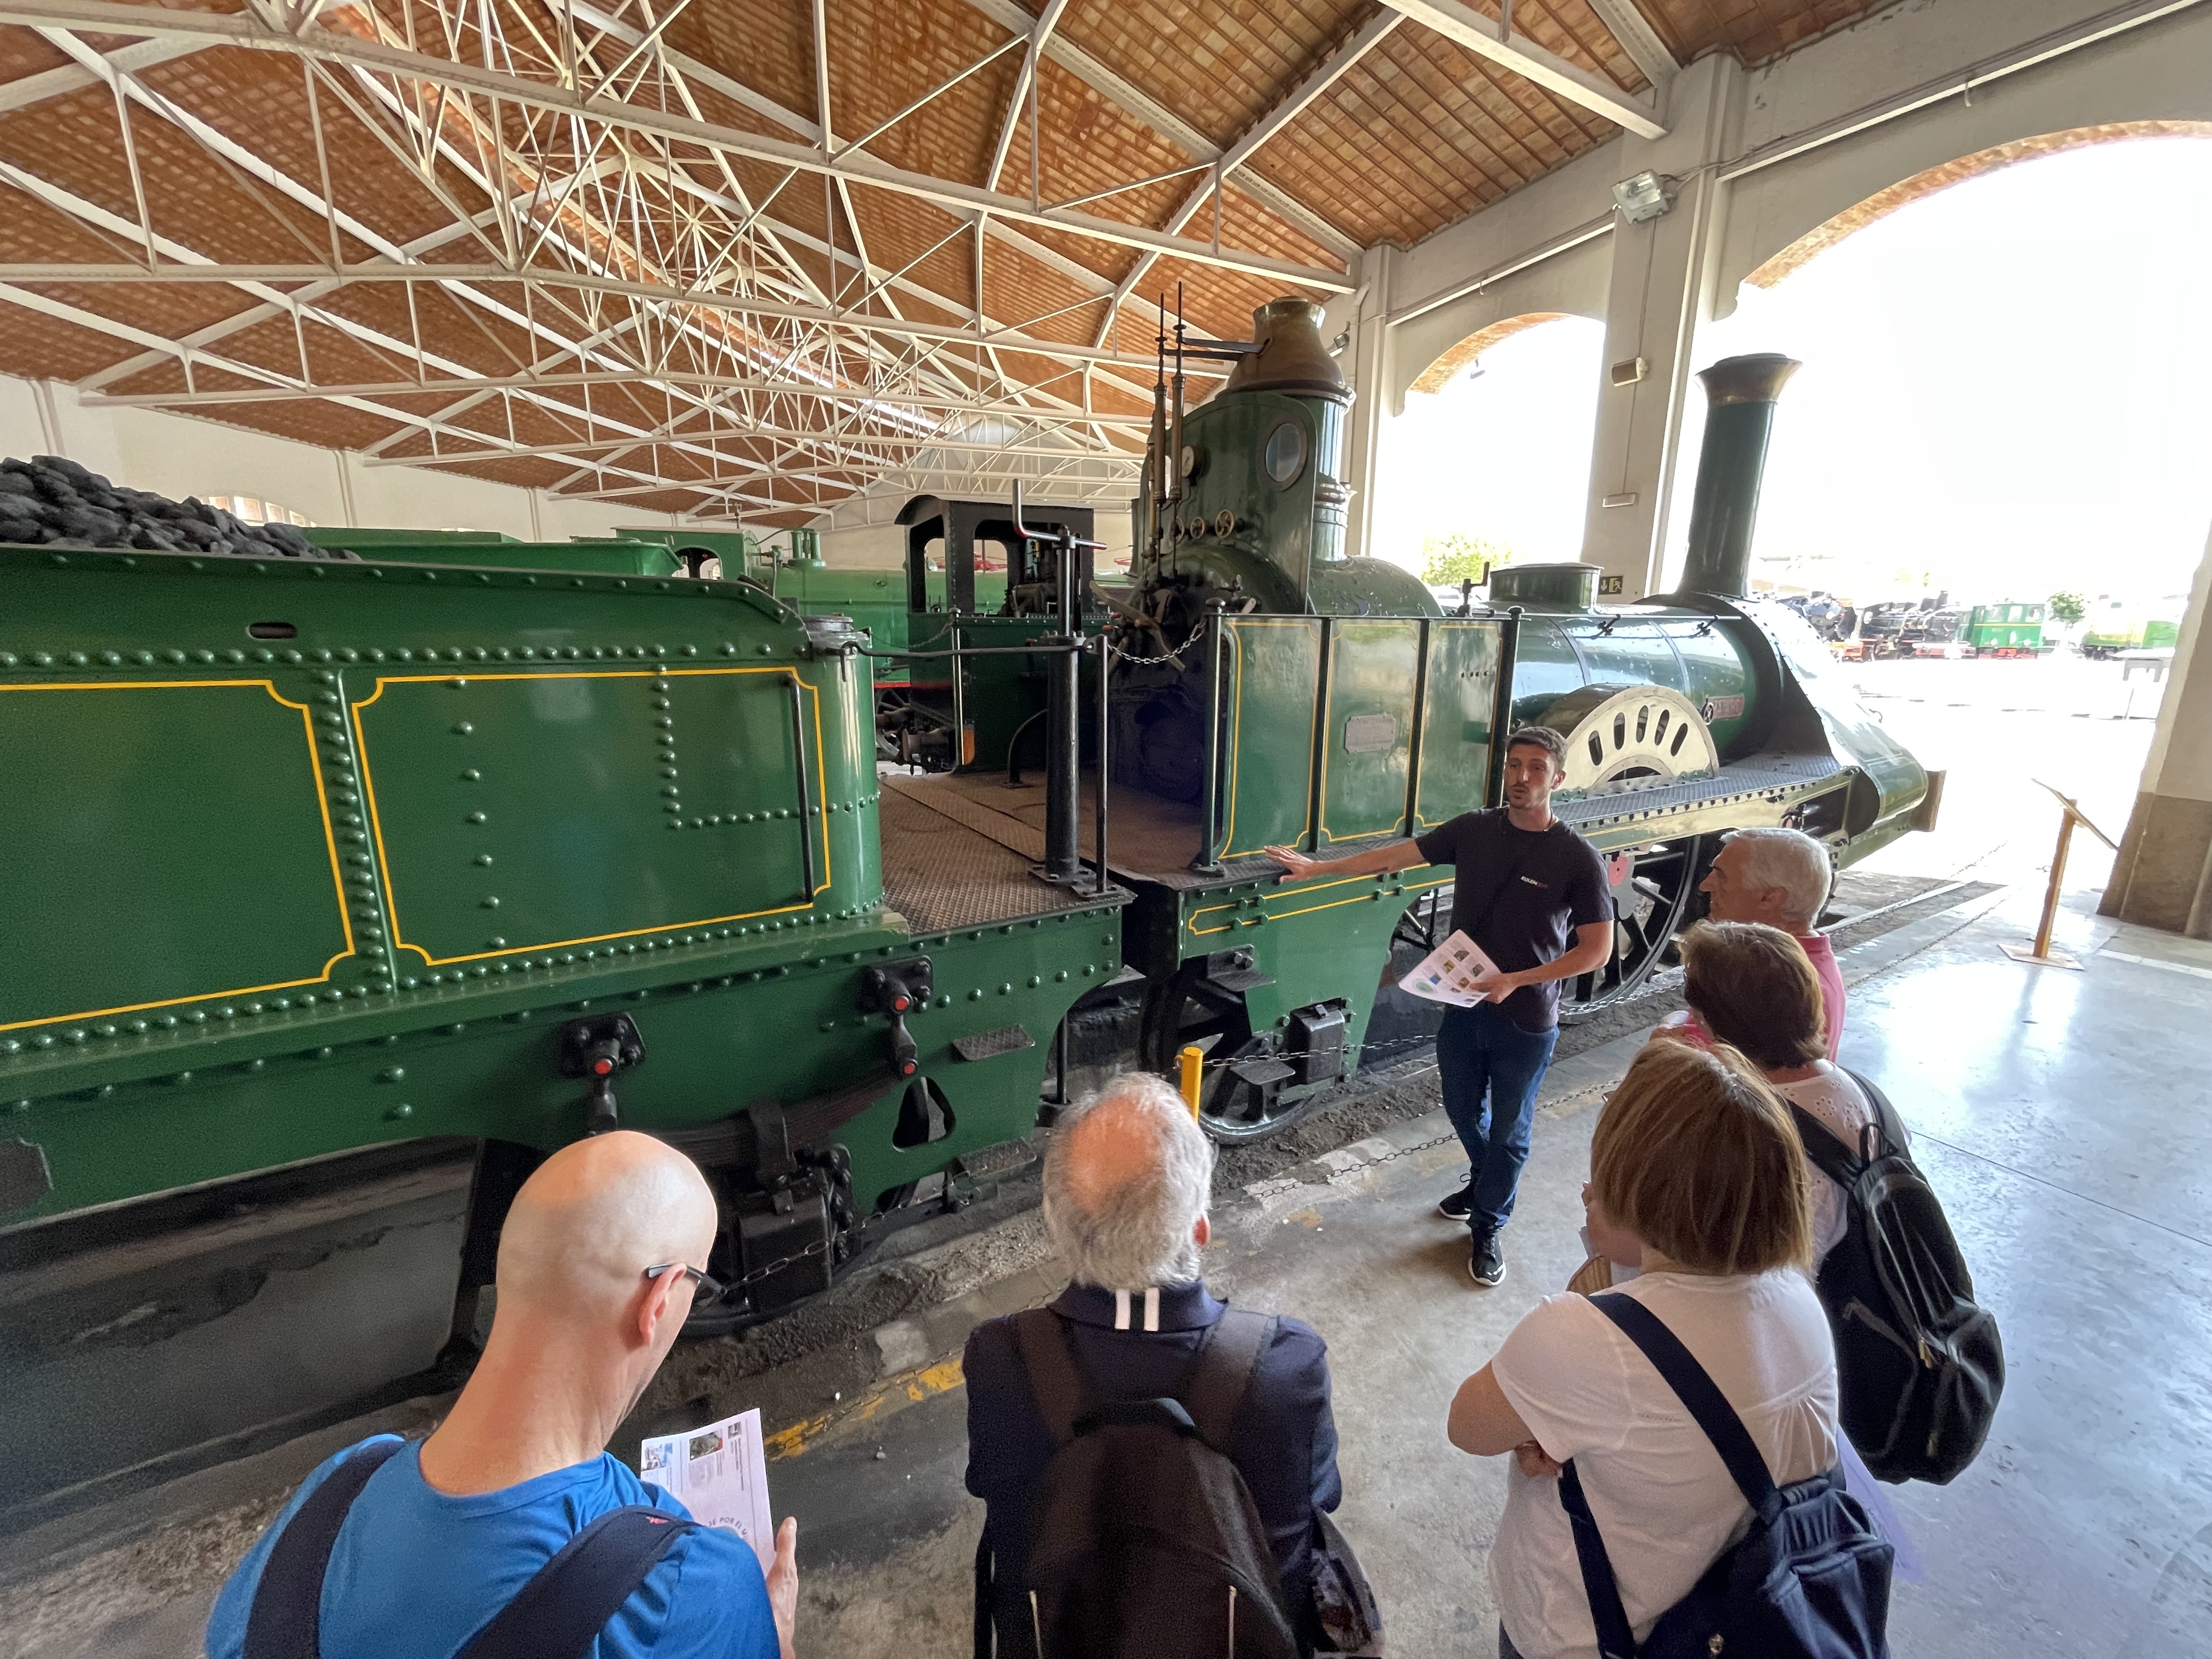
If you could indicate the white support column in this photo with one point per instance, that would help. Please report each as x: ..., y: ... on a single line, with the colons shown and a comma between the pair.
x: 1371, y: 371
x: 1664, y: 272
x: 2163, y: 875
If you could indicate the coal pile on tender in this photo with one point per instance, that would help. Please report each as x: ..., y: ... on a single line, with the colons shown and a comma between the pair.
x: 50, y: 502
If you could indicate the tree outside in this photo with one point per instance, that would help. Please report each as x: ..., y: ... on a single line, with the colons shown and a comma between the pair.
x: 2067, y: 610
x: 1448, y: 560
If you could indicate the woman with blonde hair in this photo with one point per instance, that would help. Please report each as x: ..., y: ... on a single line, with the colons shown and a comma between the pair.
x: 1696, y: 1171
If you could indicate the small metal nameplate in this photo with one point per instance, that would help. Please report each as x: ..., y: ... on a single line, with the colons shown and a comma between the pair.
x: 1370, y: 734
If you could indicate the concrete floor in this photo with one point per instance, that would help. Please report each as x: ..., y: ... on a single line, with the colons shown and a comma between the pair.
x: 2063, y: 1115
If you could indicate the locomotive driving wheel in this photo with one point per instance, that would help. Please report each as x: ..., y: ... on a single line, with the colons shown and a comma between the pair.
x: 1240, y: 1091
x: 1654, y: 892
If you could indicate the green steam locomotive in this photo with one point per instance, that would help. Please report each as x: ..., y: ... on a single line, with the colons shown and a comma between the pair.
x: 1263, y: 686
x: 478, y: 846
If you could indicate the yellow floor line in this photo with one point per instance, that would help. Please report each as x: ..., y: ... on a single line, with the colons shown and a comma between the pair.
x: 894, y: 1394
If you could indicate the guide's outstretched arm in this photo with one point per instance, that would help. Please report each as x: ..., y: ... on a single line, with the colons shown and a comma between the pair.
x: 1374, y: 862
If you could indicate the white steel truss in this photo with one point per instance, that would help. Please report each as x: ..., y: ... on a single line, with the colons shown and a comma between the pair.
x: 624, y: 266
x: 614, y: 286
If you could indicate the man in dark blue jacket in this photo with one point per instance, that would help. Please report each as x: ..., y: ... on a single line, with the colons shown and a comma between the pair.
x: 1127, y: 1181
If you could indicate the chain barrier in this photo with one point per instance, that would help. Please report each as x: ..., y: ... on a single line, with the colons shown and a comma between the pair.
x: 1366, y: 1049
x: 1449, y: 1136
x: 1175, y: 656
x: 820, y: 1246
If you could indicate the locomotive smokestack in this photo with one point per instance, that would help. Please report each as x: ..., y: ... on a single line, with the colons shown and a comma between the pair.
x: 1740, y: 394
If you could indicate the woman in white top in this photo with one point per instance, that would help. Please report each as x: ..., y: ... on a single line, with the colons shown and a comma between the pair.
x: 1751, y: 987
x: 1695, y: 1172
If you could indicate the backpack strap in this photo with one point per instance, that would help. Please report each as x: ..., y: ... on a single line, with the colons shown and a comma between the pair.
x: 1893, y: 1126
x: 1048, y: 1351
x: 1616, y: 1637
x: 1694, y: 1387
x: 286, y: 1619
x: 1222, y: 1371
x: 986, y: 1629
x: 559, y: 1612
x: 1827, y: 1154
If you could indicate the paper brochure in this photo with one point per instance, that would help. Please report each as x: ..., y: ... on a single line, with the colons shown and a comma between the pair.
x: 719, y: 1474
x: 1447, y: 973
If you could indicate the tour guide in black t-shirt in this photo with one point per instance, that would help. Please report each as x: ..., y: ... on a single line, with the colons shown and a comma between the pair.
x: 1523, y: 879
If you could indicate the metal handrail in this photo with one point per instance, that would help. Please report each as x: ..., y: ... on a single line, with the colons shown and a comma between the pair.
x: 1208, y: 860
x: 1105, y: 767
x: 805, y: 807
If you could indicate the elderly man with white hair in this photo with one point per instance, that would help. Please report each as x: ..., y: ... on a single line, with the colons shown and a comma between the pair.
x: 1126, y: 1182
x: 1781, y: 877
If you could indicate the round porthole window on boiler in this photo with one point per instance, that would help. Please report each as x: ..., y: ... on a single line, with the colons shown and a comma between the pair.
x: 1285, y: 455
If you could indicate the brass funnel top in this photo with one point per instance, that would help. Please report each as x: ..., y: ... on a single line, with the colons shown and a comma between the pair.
x: 1757, y: 378
x: 1291, y: 357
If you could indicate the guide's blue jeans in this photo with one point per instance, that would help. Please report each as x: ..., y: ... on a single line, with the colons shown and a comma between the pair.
x: 1490, y: 1068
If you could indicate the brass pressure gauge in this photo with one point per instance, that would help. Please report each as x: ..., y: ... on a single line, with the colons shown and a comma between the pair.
x: 1194, y: 461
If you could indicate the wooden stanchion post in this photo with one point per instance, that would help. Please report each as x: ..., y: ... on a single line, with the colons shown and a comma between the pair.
x: 2039, y: 953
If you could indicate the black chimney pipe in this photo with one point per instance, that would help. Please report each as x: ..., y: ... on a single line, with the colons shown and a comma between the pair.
x: 1740, y: 394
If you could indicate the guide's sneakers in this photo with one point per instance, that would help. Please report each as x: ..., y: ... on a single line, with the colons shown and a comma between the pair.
x: 1459, y: 1204
x: 1486, y: 1260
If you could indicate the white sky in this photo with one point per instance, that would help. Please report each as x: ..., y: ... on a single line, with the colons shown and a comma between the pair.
x: 2008, y: 387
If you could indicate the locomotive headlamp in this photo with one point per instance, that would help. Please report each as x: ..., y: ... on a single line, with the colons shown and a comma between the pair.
x: 1642, y: 197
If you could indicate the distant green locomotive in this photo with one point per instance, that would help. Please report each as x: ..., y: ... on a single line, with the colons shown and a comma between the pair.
x: 2008, y: 629
x: 2115, y: 624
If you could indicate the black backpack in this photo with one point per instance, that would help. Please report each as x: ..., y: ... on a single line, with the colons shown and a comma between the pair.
x: 1809, y: 1580
x: 1918, y: 1363
x: 556, y: 1615
x: 1146, y: 1544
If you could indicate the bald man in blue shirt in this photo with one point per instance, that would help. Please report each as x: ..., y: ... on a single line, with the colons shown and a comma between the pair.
x: 594, y: 1282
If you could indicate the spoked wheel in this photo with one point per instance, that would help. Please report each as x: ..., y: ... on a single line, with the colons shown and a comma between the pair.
x: 1655, y: 895
x: 1240, y: 1093
x: 1426, y: 922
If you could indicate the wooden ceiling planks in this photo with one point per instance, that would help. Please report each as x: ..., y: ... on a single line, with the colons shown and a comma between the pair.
x: 1757, y: 31
x: 1415, y: 134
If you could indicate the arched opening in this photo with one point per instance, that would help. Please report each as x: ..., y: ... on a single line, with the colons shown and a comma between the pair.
x: 1924, y: 183
x: 2003, y: 401
x: 1491, y: 458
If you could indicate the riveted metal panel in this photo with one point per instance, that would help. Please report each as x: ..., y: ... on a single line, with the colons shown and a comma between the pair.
x: 1372, y: 669
x: 117, y: 895
x: 539, y: 811
x: 1272, y: 684
x: 1459, y: 706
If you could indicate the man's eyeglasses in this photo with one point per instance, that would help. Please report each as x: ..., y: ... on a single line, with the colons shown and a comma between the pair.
x: 709, y: 1291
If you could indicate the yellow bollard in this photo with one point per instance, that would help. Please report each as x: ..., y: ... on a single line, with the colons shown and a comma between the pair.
x: 1194, y: 1067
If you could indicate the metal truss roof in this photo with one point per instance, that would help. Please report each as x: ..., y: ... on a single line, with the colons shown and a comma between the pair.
x: 752, y: 258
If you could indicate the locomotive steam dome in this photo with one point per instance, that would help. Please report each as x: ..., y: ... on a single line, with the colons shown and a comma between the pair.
x: 1291, y: 357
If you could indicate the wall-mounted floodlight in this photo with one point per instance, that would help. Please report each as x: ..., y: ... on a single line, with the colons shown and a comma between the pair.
x: 1642, y: 197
